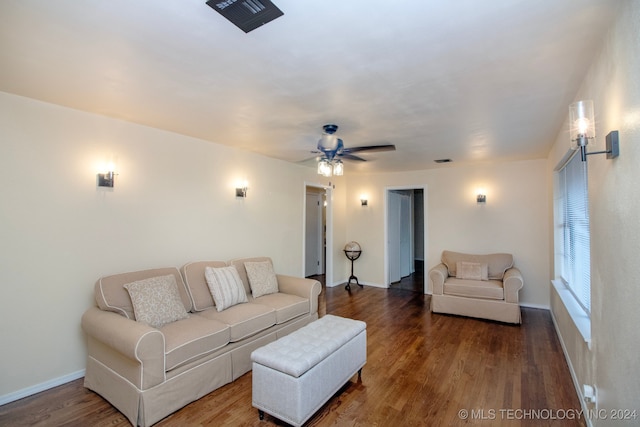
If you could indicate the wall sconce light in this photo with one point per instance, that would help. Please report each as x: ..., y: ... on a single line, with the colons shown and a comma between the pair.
x: 107, y: 179
x: 582, y: 128
x: 241, y: 191
x: 481, y: 195
x: 364, y: 201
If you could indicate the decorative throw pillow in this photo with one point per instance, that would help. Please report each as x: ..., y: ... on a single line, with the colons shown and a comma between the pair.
x: 156, y: 301
x: 472, y: 270
x: 262, y: 278
x: 226, y: 286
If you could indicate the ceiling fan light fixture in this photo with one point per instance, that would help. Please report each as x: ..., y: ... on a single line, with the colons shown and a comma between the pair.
x: 332, y: 150
x: 338, y: 167
x: 324, y: 167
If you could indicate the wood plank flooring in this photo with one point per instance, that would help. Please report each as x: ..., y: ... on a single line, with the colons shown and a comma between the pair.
x: 422, y: 369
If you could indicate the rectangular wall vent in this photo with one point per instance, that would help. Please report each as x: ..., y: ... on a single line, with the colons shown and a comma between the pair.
x: 246, y: 14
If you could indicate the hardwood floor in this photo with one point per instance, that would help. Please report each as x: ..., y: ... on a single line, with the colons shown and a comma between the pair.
x: 413, y: 282
x: 422, y: 369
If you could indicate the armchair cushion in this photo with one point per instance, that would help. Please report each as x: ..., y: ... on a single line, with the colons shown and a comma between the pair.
x: 472, y: 270
x: 497, y: 263
x: 490, y: 289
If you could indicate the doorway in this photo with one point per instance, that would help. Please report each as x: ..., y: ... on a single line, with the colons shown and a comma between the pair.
x: 314, y: 232
x: 405, y: 238
x: 317, y: 260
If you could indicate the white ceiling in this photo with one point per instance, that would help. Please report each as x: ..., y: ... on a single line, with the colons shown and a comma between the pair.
x: 469, y: 80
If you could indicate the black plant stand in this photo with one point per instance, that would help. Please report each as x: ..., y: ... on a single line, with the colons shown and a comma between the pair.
x: 352, y: 255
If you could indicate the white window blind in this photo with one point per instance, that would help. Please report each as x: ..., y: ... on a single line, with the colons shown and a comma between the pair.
x: 575, y: 257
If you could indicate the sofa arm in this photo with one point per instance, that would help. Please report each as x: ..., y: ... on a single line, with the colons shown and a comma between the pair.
x: 512, y: 283
x: 304, y: 288
x: 141, y: 344
x: 438, y: 275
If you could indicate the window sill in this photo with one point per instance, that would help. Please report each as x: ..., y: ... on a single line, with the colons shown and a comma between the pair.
x: 577, y: 314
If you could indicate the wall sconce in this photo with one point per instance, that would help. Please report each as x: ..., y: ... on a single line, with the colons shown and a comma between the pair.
x: 582, y: 128
x: 481, y: 195
x: 241, y: 191
x: 107, y: 179
x: 364, y: 201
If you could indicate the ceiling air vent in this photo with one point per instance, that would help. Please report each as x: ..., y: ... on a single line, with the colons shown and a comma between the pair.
x: 246, y: 14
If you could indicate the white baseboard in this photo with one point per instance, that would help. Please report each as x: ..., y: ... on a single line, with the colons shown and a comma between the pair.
x: 374, y: 285
x: 344, y: 283
x: 574, y: 377
x: 26, y: 392
x: 538, y: 306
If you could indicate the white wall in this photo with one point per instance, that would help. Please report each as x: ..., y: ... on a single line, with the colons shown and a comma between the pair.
x: 612, y: 364
x: 514, y: 219
x: 173, y: 202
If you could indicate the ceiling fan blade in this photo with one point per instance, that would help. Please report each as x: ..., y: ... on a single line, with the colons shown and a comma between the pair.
x: 348, y: 156
x: 385, y: 147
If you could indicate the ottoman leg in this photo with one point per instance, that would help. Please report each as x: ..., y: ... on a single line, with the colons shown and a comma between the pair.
x: 261, y: 414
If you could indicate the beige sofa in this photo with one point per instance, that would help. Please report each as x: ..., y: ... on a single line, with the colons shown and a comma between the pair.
x: 482, y: 286
x: 147, y: 373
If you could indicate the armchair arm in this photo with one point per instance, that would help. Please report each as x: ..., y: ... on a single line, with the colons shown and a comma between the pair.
x: 304, y: 288
x: 512, y: 283
x: 142, y: 345
x: 438, y: 275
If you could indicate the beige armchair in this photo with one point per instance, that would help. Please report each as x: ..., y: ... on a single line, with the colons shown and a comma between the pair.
x: 482, y: 286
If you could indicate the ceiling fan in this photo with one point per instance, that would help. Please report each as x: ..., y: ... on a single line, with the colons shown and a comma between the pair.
x: 333, y: 150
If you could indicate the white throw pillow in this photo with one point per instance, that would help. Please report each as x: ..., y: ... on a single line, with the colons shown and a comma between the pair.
x: 226, y: 286
x: 262, y: 278
x: 156, y: 301
x: 472, y: 270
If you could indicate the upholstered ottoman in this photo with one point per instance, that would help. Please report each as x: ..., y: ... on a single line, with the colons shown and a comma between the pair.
x: 295, y: 375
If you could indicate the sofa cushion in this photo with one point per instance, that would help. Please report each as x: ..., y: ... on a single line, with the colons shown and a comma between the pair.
x: 156, y: 300
x: 196, y: 283
x: 497, y: 263
x: 189, y: 339
x: 111, y: 295
x: 286, y: 306
x: 472, y: 270
x: 239, y: 264
x: 488, y: 289
x: 262, y: 278
x: 244, y: 319
x: 225, y: 286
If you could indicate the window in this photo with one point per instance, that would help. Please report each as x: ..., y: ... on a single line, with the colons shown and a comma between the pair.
x: 572, y: 236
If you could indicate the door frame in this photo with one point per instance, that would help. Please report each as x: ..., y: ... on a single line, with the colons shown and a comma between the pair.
x: 328, y: 267
x: 314, y: 232
x: 423, y: 187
